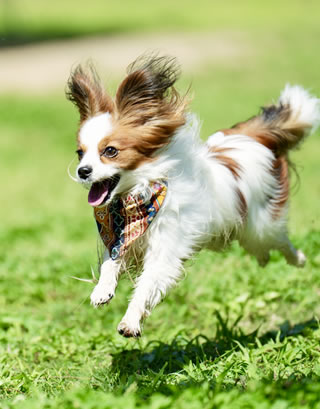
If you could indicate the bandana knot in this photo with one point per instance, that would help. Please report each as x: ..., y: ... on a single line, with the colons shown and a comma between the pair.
x: 124, y: 220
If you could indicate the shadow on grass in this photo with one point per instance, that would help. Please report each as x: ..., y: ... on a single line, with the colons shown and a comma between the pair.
x: 166, y: 358
x: 17, y: 38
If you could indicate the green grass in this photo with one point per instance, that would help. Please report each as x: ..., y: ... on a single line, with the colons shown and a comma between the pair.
x: 231, y: 335
x: 240, y: 335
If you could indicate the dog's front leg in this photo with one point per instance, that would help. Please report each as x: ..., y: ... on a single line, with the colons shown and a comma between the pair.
x: 105, y: 289
x: 161, y: 271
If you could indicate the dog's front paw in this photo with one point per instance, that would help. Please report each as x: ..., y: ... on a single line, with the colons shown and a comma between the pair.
x: 128, y: 330
x: 101, y: 295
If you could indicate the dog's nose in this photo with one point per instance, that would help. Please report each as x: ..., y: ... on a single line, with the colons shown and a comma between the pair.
x: 84, y: 172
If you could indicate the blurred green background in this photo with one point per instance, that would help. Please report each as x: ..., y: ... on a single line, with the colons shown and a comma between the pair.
x: 231, y: 335
x: 30, y: 19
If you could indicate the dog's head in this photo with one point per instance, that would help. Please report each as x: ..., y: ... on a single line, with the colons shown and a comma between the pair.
x: 118, y: 136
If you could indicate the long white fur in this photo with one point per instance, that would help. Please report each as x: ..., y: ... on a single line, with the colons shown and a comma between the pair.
x: 304, y: 107
x: 201, y: 209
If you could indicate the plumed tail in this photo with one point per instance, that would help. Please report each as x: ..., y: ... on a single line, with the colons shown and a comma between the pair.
x: 295, y: 116
x: 284, y: 125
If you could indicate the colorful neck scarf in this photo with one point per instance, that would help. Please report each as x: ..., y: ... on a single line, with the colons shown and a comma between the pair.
x: 124, y: 220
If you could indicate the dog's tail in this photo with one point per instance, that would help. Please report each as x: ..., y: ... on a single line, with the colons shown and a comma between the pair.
x: 284, y: 125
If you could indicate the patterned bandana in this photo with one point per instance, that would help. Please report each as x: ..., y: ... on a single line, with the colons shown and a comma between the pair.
x: 124, y: 220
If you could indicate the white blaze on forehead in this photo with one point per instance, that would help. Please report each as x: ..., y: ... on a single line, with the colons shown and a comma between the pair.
x: 95, y: 129
x: 91, y: 133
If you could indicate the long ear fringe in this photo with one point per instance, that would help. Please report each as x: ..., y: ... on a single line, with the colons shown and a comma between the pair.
x: 148, y: 91
x: 164, y: 71
x: 85, y: 90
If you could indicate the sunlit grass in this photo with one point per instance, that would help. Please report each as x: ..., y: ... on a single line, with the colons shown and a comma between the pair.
x: 53, y: 341
x: 232, y: 335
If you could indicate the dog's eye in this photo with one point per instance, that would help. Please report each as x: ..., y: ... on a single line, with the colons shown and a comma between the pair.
x: 110, y: 152
x: 80, y: 153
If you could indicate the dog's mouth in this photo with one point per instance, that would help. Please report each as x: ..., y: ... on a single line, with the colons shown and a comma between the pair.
x: 100, y: 192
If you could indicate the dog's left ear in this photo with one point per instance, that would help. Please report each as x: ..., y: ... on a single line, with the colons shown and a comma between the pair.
x: 147, y: 94
x: 85, y: 90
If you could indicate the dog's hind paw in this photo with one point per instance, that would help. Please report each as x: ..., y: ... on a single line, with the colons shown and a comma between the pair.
x: 101, y: 295
x: 301, y: 259
x: 263, y: 260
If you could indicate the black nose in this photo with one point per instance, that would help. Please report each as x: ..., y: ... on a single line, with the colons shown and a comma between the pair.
x: 84, y: 172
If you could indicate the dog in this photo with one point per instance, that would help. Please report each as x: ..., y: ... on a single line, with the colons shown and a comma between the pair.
x: 159, y: 194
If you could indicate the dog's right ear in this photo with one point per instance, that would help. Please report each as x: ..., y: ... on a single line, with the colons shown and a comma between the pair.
x: 147, y: 93
x: 85, y: 90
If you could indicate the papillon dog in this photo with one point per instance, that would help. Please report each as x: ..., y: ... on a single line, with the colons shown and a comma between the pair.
x: 159, y: 194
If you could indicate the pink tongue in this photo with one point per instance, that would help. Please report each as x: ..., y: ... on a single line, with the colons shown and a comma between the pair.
x: 98, y: 193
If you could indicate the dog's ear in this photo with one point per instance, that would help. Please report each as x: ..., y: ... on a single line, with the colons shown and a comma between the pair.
x: 147, y: 93
x: 85, y: 90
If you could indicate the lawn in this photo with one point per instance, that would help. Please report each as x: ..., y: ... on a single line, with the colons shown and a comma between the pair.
x: 231, y: 335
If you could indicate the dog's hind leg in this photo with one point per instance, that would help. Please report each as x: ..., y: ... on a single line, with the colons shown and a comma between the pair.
x: 263, y: 258
x: 105, y: 289
x: 293, y: 256
x: 257, y: 248
x: 261, y: 251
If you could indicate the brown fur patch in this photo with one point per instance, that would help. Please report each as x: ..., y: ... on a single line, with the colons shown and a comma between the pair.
x: 243, y: 207
x: 281, y: 173
x: 221, y: 155
x: 234, y: 167
x: 81, y: 146
x: 275, y: 128
x: 129, y: 142
x: 87, y: 93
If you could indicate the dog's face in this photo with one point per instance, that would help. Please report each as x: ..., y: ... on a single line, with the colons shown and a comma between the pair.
x: 118, y: 136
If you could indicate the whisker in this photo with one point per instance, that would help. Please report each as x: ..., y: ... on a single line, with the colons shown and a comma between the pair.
x: 94, y: 278
x: 85, y: 280
x: 68, y: 171
x: 81, y: 303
